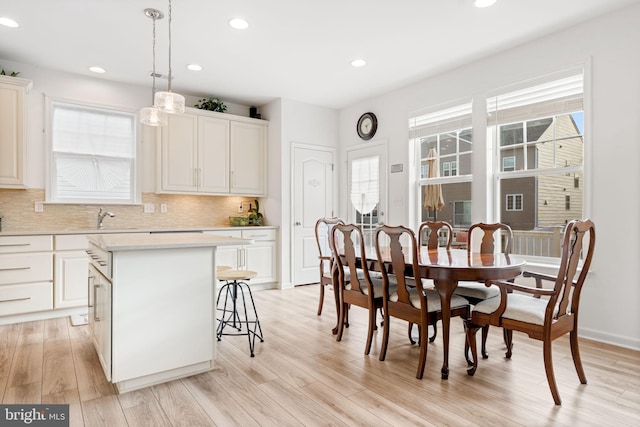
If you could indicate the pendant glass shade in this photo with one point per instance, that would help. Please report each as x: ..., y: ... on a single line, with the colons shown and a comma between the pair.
x: 169, y: 102
x: 153, y: 116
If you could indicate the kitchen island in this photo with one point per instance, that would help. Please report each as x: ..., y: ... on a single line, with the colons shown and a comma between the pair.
x: 152, y: 305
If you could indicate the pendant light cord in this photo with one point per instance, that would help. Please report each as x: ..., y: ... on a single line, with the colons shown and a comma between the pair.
x: 153, y: 73
x: 169, y: 86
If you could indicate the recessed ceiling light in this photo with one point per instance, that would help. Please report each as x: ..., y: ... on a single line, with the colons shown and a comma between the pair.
x: 194, y: 67
x: 358, y: 63
x: 484, y: 3
x: 98, y: 70
x: 8, y: 22
x: 239, y: 23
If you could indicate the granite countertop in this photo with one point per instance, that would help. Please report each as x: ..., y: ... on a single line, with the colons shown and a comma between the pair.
x: 144, y: 241
x: 127, y: 230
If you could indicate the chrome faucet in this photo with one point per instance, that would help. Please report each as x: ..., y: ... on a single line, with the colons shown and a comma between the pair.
x: 101, y: 216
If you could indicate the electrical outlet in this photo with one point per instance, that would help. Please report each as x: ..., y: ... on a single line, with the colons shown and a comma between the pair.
x: 149, y: 208
x: 163, y: 208
x: 38, y: 207
x: 240, y: 209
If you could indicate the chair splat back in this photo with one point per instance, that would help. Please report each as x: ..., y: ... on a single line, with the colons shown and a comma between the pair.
x: 568, y: 289
x: 487, y: 246
x: 399, y: 257
x: 434, y: 228
x: 343, y: 237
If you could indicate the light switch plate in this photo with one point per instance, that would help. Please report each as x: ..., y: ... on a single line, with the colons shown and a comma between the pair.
x: 149, y: 208
x: 38, y: 207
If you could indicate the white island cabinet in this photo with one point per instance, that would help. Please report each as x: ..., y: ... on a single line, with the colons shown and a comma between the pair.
x: 151, y: 305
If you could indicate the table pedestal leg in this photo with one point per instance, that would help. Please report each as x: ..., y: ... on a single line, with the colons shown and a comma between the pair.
x: 445, y: 289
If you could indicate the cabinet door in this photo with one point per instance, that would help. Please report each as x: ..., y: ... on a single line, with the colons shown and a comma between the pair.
x: 213, y: 155
x: 261, y: 258
x: 179, y: 153
x: 228, y: 256
x: 102, y: 322
x: 12, y: 132
x: 248, y: 158
x: 70, y: 280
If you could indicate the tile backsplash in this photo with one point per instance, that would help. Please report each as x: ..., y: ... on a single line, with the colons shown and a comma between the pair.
x: 17, y: 209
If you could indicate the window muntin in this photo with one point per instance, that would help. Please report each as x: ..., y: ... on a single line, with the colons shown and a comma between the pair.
x: 93, y: 155
x: 514, y: 202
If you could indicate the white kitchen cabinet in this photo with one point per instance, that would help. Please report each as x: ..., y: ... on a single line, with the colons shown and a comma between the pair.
x: 26, y: 274
x: 260, y: 256
x: 248, y: 158
x: 13, y: 93
x: 212, y: 153
x: 70, y: 271
x: 100, y: 295
x: 195, y: 155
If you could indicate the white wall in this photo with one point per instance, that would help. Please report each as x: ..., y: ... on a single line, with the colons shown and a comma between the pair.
x: 292, y: 122
x: 609, y: 306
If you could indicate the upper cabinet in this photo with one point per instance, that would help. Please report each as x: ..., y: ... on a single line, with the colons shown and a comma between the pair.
x: 214, y: 154
x: 13, y: 94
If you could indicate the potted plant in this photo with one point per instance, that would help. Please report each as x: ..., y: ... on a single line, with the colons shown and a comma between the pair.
x: 255, y: 217
x: 12, y: 74
x: 211, y: 104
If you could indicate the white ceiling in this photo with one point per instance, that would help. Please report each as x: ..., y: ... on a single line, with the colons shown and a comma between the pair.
x: 294, y: 49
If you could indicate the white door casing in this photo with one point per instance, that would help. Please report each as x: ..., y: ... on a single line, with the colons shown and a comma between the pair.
x: 313, y: 198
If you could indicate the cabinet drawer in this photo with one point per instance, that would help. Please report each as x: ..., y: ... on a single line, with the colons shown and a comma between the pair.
x: 16, y: 299
x: 24, y: 268
x: 226, y: 233
x: 268, y: 234
x: 71, y: 242
x: 18, y: 244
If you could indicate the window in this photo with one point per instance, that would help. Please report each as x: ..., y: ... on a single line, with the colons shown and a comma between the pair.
x: 508, y: 163
x: 93, y: 155
x: 514, y: 202
x: 444, y: 146
x: 538, y: 137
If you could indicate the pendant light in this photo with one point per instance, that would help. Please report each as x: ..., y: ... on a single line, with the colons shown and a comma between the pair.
x: 170, y: 102
x: 153, y: 116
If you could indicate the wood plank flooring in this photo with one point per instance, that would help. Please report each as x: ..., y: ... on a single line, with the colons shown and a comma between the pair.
x: 301, y: 376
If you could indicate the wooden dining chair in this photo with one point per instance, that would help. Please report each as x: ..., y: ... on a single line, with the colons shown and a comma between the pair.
x: 407, y: 301
x: 355, y: 284
x: 432, y: 231
x: 496, y: 237
x: 545, y: 313
x: 323, y: 234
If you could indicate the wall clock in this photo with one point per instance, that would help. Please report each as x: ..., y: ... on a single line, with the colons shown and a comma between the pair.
x: 367, y: 126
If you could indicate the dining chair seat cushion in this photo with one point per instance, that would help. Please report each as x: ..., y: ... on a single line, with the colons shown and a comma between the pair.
x: 523, y: 308
x: 377, y: 287
x: 347, y: 274
x: 476, y: 290
x: 433, y: 299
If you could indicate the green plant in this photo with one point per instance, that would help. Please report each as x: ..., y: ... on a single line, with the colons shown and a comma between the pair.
x: 211, y: 104
x: 255, y: 217
x: 13, y: 74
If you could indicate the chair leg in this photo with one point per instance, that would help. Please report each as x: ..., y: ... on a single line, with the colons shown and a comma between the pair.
x: 372, y: 327
x: 321, y: 298
x: 424, y: 345
x: 471, y: 331
x: 410, y: 329
x: 575, y: 352
x: 507, y: 335
x: 385, y: 336
x: 341, y: 320
x: 548, y: 367
x: 432, y: 338
x: 485, y: 334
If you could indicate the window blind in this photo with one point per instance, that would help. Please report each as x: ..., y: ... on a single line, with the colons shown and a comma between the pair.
x: 422, y: 124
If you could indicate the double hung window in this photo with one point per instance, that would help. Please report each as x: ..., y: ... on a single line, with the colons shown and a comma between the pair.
x: 92, y: 156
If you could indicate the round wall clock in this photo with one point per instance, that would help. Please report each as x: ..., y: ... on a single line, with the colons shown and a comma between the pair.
x: 367, y: 126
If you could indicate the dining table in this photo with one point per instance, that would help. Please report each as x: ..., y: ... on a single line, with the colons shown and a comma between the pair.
x: 447, y: 267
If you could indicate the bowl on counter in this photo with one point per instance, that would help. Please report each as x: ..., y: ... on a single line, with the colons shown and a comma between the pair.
x: 239, y: 221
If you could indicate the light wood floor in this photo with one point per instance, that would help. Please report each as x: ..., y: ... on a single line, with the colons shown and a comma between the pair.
x: 302, y: 377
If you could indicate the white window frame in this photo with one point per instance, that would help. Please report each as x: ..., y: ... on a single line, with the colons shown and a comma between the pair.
x: 135, y: 190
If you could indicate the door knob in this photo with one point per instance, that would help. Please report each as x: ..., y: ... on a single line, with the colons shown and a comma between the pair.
x: 298, y: 223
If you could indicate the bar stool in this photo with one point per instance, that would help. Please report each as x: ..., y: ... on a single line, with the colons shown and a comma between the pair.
x: 236, y: 315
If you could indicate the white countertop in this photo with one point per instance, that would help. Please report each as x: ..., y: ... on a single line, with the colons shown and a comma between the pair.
x: 128, y: 230
x: 143, y: 241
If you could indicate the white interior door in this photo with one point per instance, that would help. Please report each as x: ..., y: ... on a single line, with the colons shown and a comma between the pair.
x: 367, y: 188
x: 313, y: 198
